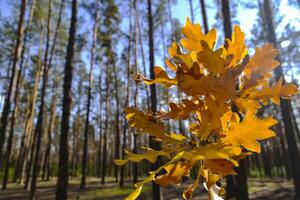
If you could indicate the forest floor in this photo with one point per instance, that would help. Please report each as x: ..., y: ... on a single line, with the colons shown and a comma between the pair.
x: 259, y: 189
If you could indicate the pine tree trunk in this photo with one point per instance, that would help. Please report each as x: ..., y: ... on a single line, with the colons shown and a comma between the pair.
x: 76, y: 133
x: 20, y: 160
x: 12, y: 128
x: 107, y: 110
x: 99, y: 146
x: 89, y: 96
x: 122, y: 171
x: 49, y: 138
x: 135, y: 170
x: 192, y: 10
x: 156, y: 192
x: 29, y: 138
x: 117, y: 121
x: 204, y: 16
x: 11, y: 88
x: 140, y: 37
x: 286, y: 108
x: 62, y: 183
x: 51, y: 58
x: 40, y: 121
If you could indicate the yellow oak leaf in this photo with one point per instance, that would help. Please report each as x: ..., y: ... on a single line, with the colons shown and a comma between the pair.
x: 177, y: 137
x: 194, y: 35
x: 227, y: 118
x: 210, y: 59
x: 161, y: 77
x: 182, y: 110
x: 220, y: 166
x: 222, y: 87
x: 174, y: 174
x: 213, y: 151
x: 274, y: 92
x: 146, y: 122
x: 210, y: 118
x: 171, y: 65
x: 246, y: 105
x: 185, y: 61
x: 263, y: 61
x: 248, y: 131
x: 187, y: 194
x: 210, y: 178
x: 150, y: 155
x: 139, y: 186
x: 236, y: 46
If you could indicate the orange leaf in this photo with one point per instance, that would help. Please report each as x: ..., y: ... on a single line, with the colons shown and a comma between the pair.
x: 174, y: 174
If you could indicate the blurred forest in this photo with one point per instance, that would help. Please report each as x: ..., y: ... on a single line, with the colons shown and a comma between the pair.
x: 67, y: 72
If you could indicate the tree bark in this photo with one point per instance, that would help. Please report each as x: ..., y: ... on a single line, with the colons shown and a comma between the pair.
x: 89, y: 97
x: 62, y: 183
x: 107, y: 111
x: 11, y: 88
x: 122, y: 171
x: 117, y: 120
x: 204, y: 16
x: 29, y: 141
x: 49, y: 138
x: 156, y: 192
x: 141, y: 45
x: 40, y: 121
x: 135, y: 169
x: 192, y: 10
x: 20, y: 160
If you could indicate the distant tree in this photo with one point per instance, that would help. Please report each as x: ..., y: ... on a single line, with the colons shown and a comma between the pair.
x: 11, y: 88
x: 204, y: 15
x: 40, y: 121
x: 89, y: 97
x: 156, y: 192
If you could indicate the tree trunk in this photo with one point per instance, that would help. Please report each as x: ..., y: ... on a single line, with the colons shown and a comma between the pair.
x: 99, y: 146
x: 122, y: 171
x: 204, y: 16
x: 135, y: 149
x: 49, y: 137
x: 140, y: 36
x: 107, y: 110
x: 89, y: 96
x: 62, y: 182
x: 61, y: 9
x: 11, y: 88
x: 29, y: 138
x: 117, y: 121
x: 192, y: 10
x: 286, y: 108
x: 40, y: 122
x: 156, y: 192
x: 20, y: 160
x: 13, y: 120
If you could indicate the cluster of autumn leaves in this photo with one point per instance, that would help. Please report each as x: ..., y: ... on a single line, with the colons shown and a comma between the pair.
x: 223, y: 91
